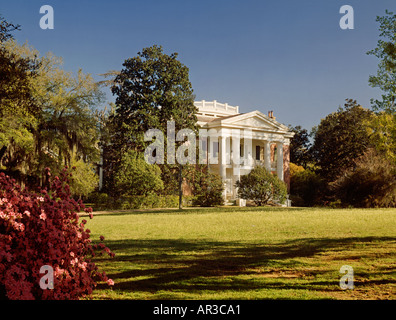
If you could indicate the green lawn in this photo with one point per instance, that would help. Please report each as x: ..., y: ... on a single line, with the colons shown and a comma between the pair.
x: 247, y: 253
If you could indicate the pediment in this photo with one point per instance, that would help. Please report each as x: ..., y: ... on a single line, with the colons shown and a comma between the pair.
x: 255, y: 120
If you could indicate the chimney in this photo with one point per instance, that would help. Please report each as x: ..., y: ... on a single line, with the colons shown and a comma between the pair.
x: 271, y: 115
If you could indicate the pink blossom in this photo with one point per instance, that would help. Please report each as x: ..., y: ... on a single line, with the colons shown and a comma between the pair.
x: 110, y: 282
x: 67, y: 242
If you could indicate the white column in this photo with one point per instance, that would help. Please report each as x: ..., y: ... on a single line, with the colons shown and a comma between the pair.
x: 267, y: 155
x: 236, y: 159
x: 279, y: 164
x: 223, y: 156
x: 247, y: 141
x: 222, y: 162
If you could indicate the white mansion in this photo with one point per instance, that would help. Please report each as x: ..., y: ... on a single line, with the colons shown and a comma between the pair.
x: 257, y: 139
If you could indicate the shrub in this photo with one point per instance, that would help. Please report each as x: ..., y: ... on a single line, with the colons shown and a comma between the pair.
x: 371, y: 183
x: 101, y: 201
x: 84, y: 179
x: 149, y: 201
x: 306, y: 187
x: 43, y: 228
x: 261, y: 186
x: 137, y: 177
x: 207, y: 187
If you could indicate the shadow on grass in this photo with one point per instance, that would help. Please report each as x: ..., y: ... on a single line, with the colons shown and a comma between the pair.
x: 198, y: 266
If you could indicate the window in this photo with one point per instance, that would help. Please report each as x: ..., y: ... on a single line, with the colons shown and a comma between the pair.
x: 215, y: 151
x: 257, y: 152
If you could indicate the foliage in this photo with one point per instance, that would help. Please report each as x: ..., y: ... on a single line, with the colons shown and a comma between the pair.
x: 207, y: 187
x: 18, y: 109
x: 6, y: 28
x: 372, y: 183
x: 102, y: 201
x: 340, y: 138
x: 382, y: 132
x: 63, y: 125
x: 150, y: 90
x: 170, y: 177
x: 300, y: 146
x: 137, y: 177
x: 43, y: 228
x: 148, y: 201
x: 84, y: 178
x: 153, y: 88
x: 306, y: 186
x: 386, y: 73
x: 261, y: 186
x: 15, y: 71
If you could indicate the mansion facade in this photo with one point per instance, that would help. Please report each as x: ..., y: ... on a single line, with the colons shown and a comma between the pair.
x: 242, y: 141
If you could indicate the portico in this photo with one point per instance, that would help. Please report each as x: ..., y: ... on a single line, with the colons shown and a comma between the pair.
x: 238, y: 142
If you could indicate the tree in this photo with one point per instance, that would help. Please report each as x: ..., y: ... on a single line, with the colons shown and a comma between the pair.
x: 150, y: 90
x: 386, y: 73
x: 84, y: 178
x: 300, y: 146
x: 137, y: 177
x: 261, y: 186
x: 153, y: 88
x: 340, y: 138
x: 18, y: 108
x: 64, y: 127
x: 382, y: 132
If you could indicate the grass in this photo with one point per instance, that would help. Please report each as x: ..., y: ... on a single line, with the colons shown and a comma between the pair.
x: 247, y: 253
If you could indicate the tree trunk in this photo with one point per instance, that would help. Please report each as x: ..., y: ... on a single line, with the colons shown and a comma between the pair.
x: 180, y: 187
x: 2, y: 151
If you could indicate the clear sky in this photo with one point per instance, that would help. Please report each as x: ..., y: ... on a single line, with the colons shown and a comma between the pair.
x: 288, y: 56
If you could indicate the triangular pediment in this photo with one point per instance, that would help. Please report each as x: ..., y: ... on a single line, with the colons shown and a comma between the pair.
x: 255, y: 120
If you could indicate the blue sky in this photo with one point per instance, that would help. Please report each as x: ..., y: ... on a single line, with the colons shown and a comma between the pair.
x: 288, y: 56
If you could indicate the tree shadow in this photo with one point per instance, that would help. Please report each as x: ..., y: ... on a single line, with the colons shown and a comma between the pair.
x: 200, y: 265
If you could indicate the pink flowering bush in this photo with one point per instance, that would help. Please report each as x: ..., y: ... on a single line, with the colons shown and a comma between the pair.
x: 43, y: 228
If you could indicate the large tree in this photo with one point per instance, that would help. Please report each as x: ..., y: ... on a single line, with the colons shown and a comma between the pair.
x: 300, y: 146
x: 18, y: 108
x: 63, y: 129
x: 383, y: 126
x: 385, y: 79
x: 340, y: 138
x: 150, y: 90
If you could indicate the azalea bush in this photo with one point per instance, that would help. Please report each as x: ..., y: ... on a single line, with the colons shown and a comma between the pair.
x: 43, y: 228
